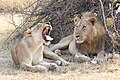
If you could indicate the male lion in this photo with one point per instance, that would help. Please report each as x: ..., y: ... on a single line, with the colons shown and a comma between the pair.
x: 87, y: 40
x: 28, y: 52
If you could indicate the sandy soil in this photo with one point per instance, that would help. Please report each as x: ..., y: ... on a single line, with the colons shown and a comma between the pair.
x: 8, y: 71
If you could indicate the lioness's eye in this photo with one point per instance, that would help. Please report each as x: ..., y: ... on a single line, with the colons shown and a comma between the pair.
x: 84, y: 27
x: 76, y: 26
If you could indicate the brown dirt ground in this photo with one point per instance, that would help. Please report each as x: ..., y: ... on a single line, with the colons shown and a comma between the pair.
x: 109, y: 70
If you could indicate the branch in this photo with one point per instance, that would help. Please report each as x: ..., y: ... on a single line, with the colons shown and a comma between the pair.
x: 115, y: 39
x: 103, y: 14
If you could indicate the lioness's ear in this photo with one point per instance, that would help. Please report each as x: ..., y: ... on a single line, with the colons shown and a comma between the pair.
x: 27, y: 33
x: 76, y: 19
x: 93, y: 20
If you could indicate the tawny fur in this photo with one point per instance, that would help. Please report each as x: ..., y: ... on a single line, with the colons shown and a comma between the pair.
x: 28, y: 53
x: 88, y: 37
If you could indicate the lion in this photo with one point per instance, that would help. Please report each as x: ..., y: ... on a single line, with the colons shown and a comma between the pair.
x: 87, y: 40
x: 29, y: 52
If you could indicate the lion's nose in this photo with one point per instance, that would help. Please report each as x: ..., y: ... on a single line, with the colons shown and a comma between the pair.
x: 77, y: 36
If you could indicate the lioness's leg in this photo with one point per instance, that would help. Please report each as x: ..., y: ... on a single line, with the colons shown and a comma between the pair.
x: 49, y: 54
x: 63, y: 43
x: 26, y: 60
x: 27, y: 64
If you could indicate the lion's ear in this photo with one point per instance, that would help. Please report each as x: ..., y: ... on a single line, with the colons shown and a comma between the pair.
x: 76, y: 19
x: 93, y: 20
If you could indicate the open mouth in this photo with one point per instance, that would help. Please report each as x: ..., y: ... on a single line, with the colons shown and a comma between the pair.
x: 46, y: 33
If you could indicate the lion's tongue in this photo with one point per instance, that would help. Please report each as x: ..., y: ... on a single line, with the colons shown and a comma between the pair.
x: 48, y: 38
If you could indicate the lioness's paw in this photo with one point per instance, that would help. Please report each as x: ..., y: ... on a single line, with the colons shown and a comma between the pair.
x: 62, y: 63
x: 41, y: 68
x: 53, y: 66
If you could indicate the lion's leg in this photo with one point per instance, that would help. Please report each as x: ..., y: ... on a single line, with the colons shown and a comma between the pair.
x: 50, y: 55
x: 81, y: 57
x: 77, y: 55
x: 72, y: 48
x: 63, y: 43
x: 103, y: 56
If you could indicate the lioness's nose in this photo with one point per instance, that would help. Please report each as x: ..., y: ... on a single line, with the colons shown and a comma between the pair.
x: 48, y: 23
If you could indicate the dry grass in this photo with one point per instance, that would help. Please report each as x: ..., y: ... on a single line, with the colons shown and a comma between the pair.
x: 8, y: 71
x: 14, y: 4
x: 85, y: 71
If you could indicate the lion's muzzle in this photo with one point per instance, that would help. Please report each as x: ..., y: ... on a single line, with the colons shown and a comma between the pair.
x: 79, y: 39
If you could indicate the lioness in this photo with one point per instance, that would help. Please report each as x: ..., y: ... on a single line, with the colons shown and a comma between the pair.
x: 28, y: 52
x: 87, y: 39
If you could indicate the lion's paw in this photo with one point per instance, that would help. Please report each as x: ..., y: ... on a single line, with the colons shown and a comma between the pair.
x: 101, y: 57
x: 81, y: 58
x: 65, y: 63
